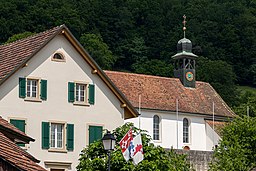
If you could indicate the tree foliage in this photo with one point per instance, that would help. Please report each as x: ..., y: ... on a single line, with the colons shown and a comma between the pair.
x: 19, y: 36
x: 247, y: 103
x: 155, y: 158
x: 221, y: 76
x: 99, y: 50
x: 141, y: 35
x: 237, y: 149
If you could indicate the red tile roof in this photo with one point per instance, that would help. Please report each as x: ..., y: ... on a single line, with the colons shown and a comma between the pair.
x: 14, y: 54
x: 218, y: 125
x: 12, y: 128
x: 16, y: 156
x: 160, y: 93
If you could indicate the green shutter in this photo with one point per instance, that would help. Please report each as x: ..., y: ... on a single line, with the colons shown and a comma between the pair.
x: 43, y: 94
x: 71, y: 92
x: 91, y: 93
x: 45, y: 135
x: 70, y: 137
x: 22, y: 87
x: 20, y: 124
x: 95, y: 133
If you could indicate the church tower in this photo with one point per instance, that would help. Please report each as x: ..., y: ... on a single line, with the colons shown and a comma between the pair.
x: 184, y: 65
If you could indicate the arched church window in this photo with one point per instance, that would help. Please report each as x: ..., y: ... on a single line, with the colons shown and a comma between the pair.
x: 185, y: 130
x: 156, y: 127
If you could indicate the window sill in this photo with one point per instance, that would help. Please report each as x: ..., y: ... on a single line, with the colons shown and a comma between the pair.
x: 157, y: 141
x: 81, y: 104
x: 186, y: 144
x: 57, y: 150
x: 58, y: 60
x: 33, y: 99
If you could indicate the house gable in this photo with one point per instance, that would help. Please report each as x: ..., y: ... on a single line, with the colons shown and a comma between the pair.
x: 16, y: 55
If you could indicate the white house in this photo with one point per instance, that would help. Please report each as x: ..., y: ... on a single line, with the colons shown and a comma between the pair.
x: 51, y: 89
x: 179, y: 113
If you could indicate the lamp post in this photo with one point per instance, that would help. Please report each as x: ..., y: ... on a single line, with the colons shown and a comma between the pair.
x: 109, y: 142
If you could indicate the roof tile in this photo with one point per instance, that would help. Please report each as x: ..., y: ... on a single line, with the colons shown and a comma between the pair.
x: 15, y: 53
x: 160, y: 93
x: 16, y: 156
x: 12, y: 153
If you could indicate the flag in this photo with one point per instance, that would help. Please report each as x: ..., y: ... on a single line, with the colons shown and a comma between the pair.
x: 136, y: 150
x: 125, y: 143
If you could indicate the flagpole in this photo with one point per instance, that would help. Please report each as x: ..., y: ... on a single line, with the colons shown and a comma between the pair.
x: 213, y: 122
x: 177, y: 118
x: 139, y: 109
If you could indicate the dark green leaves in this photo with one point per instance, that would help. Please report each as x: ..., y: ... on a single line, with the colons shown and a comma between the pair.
x: 155, y: 158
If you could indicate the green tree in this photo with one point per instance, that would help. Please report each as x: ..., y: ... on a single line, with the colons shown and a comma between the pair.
x: 99, y: 50
x: 154, y: 67
x: 237, y: 148
x: 155, y: 158
x: 19, y: 36
x: 221, y: 76
x: 246, y: 100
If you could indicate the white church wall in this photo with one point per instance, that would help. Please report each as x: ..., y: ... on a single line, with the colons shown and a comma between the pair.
x: 168, y: 129
x: 212, y: 138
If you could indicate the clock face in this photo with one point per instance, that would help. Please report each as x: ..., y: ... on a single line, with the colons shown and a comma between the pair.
x: 189, y: 76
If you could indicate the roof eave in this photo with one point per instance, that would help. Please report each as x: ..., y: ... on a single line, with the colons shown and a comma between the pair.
x: 30, y: 56
x: 221, y: 117
x: 23, y: 138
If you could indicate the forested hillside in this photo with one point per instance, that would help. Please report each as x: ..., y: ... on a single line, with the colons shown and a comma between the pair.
x: 141, y: 35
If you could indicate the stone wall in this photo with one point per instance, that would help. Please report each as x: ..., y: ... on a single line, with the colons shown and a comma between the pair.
x: 199, y: 160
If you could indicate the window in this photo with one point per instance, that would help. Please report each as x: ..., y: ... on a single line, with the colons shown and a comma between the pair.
x: 95, y: 133
x: 20, y: 124
x: 31, y: 88
x: 185, y: 130
x: 156, y: 127
x: 58, y: 57
x: 58, y: 136
x: 81, y: 93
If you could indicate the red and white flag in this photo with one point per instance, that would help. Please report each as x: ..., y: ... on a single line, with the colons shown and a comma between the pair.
x: 125, y: 143
x: 136, y: 150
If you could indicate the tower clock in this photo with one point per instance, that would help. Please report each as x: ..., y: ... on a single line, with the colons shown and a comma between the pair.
x: 184, y: 65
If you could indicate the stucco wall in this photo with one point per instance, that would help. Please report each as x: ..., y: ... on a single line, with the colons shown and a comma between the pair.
x: 199, y: 133
x: 106, y: 111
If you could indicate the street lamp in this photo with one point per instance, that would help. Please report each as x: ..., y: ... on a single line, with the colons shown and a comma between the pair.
x: 109, y: 142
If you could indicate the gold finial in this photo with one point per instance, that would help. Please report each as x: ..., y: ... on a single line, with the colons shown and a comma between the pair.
x: 184, y: 25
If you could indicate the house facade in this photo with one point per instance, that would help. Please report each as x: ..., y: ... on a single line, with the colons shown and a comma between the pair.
x: 51, y: 89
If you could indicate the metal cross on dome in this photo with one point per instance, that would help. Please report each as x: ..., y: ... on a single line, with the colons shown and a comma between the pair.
x: 184, y: 24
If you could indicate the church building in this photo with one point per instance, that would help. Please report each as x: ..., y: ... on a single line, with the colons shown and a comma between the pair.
x: 180, y: 112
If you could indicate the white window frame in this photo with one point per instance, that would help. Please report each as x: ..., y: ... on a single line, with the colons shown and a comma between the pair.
x: 55, y: 146
x: 159, y: 128
x: 188, y: 132
x: 79, y: 95
x: 29, y: 91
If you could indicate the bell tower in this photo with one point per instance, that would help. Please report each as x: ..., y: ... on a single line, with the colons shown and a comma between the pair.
x: 184, y: 64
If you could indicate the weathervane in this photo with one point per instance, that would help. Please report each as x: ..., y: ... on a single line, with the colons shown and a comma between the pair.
x: 184, y: 24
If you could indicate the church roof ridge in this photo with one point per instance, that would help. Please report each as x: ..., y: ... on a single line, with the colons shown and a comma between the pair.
x: 161, y: 93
